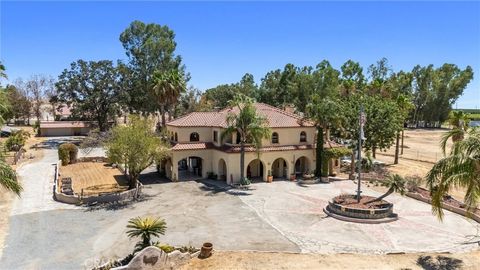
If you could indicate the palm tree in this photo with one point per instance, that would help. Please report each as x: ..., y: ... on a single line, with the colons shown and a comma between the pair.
x: 167, y: 87
x: 395, y: 183
x: 145, y: 228
x: 2, y: 71
x: 245, y: 122
x: 461, y: 168
x: 459, y: 120
x: 325, y: 113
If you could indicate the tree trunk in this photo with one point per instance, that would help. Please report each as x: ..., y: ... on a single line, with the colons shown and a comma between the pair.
x: 162, y: 112
x: 319, y: 154
x: 242, y: 161
x: 389, y: 191
x: 397, y: 146
x: 352, y: 166
x: 374, y: 152
x: 401, y: 149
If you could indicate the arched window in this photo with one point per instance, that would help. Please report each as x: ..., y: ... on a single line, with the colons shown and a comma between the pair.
x: 274, y: 137
x: 194, y: 137
x: 303, y: 136
x: 176, y: 136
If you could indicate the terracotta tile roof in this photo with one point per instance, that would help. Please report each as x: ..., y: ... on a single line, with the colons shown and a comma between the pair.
x: 65, y: 124
x: 236, y: 148
x: 276, y: 118
x: 191, y: 146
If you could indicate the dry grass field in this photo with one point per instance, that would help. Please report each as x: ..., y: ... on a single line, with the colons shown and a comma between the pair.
x: 94, y: 178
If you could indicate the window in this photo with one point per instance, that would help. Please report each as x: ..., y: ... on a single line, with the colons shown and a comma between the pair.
x: 303, y: 136
x: 176, y: 136
x: 194, y: 137
x: 274, y: 137
x: 215, y: 136
x: 238, y: 137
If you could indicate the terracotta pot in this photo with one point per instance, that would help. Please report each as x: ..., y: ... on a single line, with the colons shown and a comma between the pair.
x: 292, y: 177
x: 206, y: 250
x: 269, y: 178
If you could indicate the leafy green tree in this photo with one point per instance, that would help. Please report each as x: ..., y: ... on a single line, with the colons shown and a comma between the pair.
x: 92, y: 89
x: 325, y: 113
x: 326, y: 80
x: 461, y: 168
x: 136, y: 146
x: 2, y: 71
x: 246, y: 123
x: 352, y: 78
x: 145, y: 228
x: 22, y: 107
x: 150, y: 48
x: 168, y: 87
x: 394, y: 183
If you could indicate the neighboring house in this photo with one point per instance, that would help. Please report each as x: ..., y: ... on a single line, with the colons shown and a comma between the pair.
x: 6, y: 131
x: 198, y: 151
x: 63, y: 112
x: 65, y: 128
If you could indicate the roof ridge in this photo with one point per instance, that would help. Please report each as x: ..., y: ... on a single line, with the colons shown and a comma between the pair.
x: 281, y: 111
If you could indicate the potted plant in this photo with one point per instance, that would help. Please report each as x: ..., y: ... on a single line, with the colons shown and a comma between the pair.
x: 269, y: 177
x: 292, y: 177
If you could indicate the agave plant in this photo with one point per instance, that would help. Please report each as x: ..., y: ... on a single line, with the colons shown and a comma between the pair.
x: 461, y: 168
x: 145, y: 228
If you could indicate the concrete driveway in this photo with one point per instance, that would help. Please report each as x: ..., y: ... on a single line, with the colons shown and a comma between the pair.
x: 281, y: 216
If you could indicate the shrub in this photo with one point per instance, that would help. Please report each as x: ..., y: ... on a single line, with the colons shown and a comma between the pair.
x: 17, y: 140
x: 413, y: 182
x: 36, y: 127
x: 165, y: 247
x: 245, y: 181
x: 67, y: 153
x: 212, y: 175
x: 189, y: 249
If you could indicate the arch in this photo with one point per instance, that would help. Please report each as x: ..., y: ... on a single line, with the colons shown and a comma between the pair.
x: 302, y: 165
x: 255, y: 170
x: 279, y: 168
x: 190, y: 168
x: 303, y: 136
x: 274, y: 137
x: 194, y: 137
x: 222, y: 170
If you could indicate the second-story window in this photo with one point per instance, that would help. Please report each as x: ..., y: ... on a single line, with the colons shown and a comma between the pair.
x: 274, y: 137
x: 215, y: 136
x: 194, y: 137
x: 176, y: 136
x: 303, y: 136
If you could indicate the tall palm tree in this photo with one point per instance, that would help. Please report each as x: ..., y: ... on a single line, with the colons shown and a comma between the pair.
x: 394, y: 183
x: 251, y: 127
x: 325, y: 113
x: 461, y: 168
x: 167, y: 88
x: 145, y: 228
x: 459, y: 121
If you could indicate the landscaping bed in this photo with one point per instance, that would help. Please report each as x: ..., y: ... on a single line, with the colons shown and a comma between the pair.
x: 350, y: 201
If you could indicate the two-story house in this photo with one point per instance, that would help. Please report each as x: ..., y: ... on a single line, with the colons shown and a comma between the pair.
x: 198, y: 150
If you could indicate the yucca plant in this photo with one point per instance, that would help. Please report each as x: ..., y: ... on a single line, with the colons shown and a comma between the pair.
x: 395, y: 183
x: 145, y: 228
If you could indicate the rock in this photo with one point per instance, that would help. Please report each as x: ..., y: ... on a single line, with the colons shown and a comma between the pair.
x: 152, y: 258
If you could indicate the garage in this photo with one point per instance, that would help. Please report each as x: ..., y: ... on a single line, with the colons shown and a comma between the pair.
x: 65, y: 128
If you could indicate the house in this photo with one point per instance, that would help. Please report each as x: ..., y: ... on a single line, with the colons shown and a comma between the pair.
x: 199, y: 152
x: 65, y: 128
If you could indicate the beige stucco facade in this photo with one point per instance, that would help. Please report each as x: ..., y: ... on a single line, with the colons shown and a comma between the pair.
x: 290, y: 155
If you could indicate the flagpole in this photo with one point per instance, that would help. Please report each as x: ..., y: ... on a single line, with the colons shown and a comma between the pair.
x: 359, y: 162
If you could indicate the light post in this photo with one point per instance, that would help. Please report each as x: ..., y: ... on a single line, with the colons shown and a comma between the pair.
x: 362, y: 120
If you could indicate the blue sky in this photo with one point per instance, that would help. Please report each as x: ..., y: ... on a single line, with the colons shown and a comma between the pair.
x: 219, y: 42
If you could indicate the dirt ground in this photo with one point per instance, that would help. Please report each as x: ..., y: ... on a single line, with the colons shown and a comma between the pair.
x: 421, y: 151
x: 94, y: 178
x: 277, y: 260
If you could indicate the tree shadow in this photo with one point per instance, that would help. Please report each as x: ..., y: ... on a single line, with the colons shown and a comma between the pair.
x: 118, y: 205
x: 439, y: 263
x: 213, y: 187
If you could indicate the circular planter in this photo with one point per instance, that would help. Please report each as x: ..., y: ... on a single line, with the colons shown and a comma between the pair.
x: 380, y: 212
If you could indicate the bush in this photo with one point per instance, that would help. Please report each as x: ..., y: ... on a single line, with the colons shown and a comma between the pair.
x: 16, y: 140
x: 165, y: 247
x: 67, y: 153
x: 413, y: 182
x: 245, y: 181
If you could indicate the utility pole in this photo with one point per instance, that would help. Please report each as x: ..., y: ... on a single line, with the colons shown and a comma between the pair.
x: 361, y: 119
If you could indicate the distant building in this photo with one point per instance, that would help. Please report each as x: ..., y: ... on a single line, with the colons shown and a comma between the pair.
x: 65, y: 128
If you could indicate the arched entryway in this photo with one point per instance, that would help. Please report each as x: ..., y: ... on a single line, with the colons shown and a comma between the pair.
x: 302, y: 166
x: 190, y: 168
x: 165, y: 168
x: 255, y: 170
x: 222, y: 170
x: 279, y: 168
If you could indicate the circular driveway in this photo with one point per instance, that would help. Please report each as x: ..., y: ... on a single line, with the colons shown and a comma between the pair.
x: 297, y: 213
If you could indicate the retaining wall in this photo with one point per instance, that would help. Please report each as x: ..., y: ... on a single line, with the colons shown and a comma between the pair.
x: 360, y: 213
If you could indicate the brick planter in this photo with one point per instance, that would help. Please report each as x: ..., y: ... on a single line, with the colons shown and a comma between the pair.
x: 360, y: 213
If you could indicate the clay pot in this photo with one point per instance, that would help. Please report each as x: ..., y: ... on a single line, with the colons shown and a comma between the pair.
x: 292, y: 177
x: 206, y: 250
x: 269, y: 178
